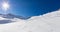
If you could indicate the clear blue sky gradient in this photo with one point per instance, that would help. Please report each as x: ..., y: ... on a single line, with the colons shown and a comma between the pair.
x: 28, y: 8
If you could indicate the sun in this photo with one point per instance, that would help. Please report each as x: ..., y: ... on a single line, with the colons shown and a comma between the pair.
x: 5, y: 6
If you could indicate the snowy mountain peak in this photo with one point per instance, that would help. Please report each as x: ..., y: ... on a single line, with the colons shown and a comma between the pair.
x: 10, y: 18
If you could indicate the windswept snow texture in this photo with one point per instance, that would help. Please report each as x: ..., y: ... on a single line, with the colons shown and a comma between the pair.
x: 49, y: 22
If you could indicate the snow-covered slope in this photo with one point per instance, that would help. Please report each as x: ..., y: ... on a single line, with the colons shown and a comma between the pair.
x: 49, y: 22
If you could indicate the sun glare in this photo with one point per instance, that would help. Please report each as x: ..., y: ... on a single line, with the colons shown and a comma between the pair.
x: 5, y: 6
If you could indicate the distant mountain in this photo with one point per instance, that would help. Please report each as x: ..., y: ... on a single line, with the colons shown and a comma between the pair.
x: 8, y: 18
x: 11, y: 16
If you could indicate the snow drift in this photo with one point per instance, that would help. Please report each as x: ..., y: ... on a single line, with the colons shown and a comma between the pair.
x: 49, y: 22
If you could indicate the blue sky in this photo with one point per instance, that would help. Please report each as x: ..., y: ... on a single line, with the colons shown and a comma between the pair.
x: 28, y: 8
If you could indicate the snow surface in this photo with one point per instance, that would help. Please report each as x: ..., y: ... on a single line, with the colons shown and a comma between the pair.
x: 49, y: 22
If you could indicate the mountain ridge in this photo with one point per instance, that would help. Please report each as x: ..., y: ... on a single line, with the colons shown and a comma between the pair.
x: 11, y: 16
